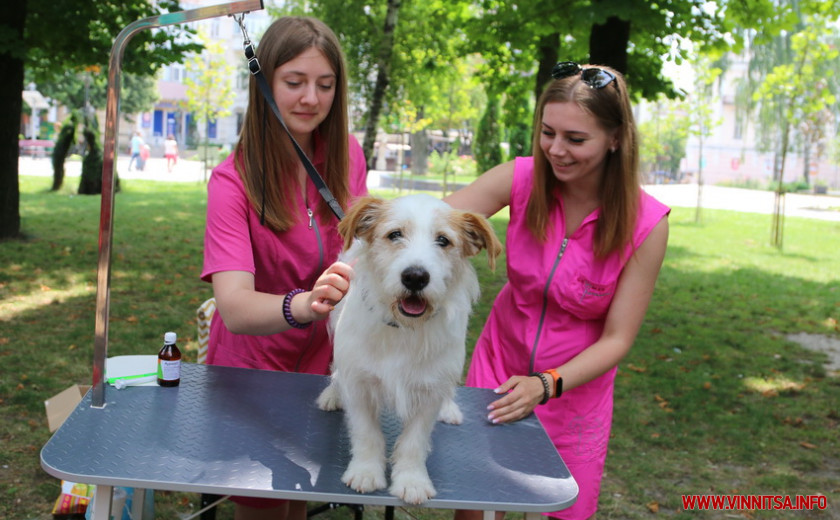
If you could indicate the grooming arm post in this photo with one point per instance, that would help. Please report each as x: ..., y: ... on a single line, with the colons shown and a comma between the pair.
x: 106, y: 218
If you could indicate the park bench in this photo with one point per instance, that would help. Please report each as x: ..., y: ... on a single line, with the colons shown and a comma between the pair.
x: 36, y: 147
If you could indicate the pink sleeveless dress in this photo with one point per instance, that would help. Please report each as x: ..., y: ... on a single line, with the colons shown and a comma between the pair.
x: 553, y: 307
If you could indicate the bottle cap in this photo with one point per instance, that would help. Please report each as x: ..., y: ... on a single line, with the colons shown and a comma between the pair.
x: 169, y: 337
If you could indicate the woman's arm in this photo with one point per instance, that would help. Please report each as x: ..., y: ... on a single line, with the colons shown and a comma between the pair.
x: 246, y: 311
x: 625, y: 317
x: 487, y: 194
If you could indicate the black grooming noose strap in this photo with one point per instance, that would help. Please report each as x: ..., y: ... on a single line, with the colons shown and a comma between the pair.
x: 262, y: 83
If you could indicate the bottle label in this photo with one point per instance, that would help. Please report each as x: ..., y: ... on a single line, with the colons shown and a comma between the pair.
x: 169, y: 370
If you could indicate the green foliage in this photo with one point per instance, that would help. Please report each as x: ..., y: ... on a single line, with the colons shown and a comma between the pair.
x: 517, y: 120
x: 73, y: 89
x: 209, y: 82
x: 797, y: 86
x: 446, y: 163
x: 430, y: 70
x: 486, y: 147
x: 663, y: 137
x: 67, y: 35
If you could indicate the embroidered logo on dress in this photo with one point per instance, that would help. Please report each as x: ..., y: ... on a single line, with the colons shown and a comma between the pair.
x: 591, y: 437
x: 591, y: 289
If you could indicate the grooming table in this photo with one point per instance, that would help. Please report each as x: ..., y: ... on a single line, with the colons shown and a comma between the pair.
x: 259, y: 433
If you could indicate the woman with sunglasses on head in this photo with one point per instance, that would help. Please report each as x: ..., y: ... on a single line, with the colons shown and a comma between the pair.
x: 584, y: 249
x: 271, y: 242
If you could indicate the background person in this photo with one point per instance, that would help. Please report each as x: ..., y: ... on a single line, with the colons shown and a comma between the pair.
x: 145, y: 153
x: 584, y: 249
x: 136, y: 147
x: 170, y: 151
x: 271, y: 242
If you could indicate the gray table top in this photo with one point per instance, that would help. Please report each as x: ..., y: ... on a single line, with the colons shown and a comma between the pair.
x: 259, y: 433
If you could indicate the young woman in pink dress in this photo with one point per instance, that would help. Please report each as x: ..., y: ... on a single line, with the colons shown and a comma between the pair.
x: 584, y: 247
x: 271, y: 243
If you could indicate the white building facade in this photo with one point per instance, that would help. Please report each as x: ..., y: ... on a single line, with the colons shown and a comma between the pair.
x: 730, y: 154
x: 169, y: 115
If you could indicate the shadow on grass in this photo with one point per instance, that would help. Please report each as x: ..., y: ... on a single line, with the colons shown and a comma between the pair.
x: 689, y: 418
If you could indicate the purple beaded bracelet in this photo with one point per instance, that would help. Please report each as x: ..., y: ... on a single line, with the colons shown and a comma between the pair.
x: 287, y: 310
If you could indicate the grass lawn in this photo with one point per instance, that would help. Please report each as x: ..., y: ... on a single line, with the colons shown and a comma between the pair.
x: 712, y: 399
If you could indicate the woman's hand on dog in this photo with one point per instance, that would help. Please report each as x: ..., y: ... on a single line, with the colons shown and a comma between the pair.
x: 329, y: 289
x: 522, y: 395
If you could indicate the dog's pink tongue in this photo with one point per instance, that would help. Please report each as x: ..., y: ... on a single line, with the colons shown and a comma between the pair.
x: 413, y: 305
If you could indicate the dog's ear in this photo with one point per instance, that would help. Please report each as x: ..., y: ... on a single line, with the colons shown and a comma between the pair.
x: 360, y: 219
x: 478, y: 234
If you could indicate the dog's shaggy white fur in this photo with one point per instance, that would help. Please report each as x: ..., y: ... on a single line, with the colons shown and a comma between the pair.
x: 399, y: 333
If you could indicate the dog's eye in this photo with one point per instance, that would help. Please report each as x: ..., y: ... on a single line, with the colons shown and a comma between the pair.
x: 442, y: 241
x: 394, y: 235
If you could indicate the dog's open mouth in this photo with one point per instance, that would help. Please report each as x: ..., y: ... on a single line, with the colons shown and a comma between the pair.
x: 412, y: 306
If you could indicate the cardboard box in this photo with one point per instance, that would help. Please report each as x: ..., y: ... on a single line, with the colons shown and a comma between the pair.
x: 62, y: 404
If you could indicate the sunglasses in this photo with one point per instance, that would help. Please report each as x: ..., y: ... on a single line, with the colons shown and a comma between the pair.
x: 592, y: 76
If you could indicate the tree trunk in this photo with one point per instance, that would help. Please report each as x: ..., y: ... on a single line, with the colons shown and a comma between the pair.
x: 12, y: 54
x: 806, y: 157
x: 420, y: 152
x: 549, y: 48
x: 382, y: 79
x: 608, y: 43
x: 778, y: 230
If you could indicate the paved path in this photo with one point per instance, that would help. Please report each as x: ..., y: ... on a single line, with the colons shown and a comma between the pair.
x: 824, y: 207
x: 184, y: 171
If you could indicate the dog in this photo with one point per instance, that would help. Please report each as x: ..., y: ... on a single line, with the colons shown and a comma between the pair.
x: 399, y: 334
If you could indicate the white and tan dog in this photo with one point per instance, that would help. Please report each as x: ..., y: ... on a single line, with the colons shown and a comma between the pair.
x: 400, y: 332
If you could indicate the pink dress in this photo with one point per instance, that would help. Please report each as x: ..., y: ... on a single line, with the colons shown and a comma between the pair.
x: 552, y: 308
x: 235, y: 241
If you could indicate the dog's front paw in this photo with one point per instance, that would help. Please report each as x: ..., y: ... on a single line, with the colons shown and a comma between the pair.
x: 365, y: 477
x: 450, y: 413
x: 329, y: 400
x: 413, y: 487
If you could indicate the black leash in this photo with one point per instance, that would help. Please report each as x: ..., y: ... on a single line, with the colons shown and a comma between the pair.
x: 265, y: 89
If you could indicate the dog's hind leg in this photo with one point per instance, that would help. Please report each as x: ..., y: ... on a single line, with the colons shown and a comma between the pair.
x: 366, y: 470
x: 409, y: 477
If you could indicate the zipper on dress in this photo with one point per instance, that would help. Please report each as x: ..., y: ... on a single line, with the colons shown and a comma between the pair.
x: 545, y: 303
x: 313, y: 224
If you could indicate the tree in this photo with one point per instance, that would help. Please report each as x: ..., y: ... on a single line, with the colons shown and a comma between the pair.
x: 209, y: 86
x: 701, y: 117
x: 486, y: 149
x: 88, y: 89
x: 635, y: 37
x: 57, y: 35
x: 12, y: 55
x: 663, y: 137
x: 795, y: 93
x: 396, y: 51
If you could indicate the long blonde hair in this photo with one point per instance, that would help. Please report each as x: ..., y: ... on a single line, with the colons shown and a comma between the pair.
x: 264, y: 153
x: 620, y: 183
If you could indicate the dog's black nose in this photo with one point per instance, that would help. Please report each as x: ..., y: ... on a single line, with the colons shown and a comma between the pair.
x: 415, y: 278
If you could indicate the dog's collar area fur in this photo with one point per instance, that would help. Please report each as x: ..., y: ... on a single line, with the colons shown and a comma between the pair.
x: 371, y: 309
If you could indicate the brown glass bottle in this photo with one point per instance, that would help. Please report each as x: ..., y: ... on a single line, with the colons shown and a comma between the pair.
x: 169, y: 362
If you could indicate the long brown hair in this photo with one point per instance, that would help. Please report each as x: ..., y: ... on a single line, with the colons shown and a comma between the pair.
x: 264, y: 152
x: 620, y: 183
